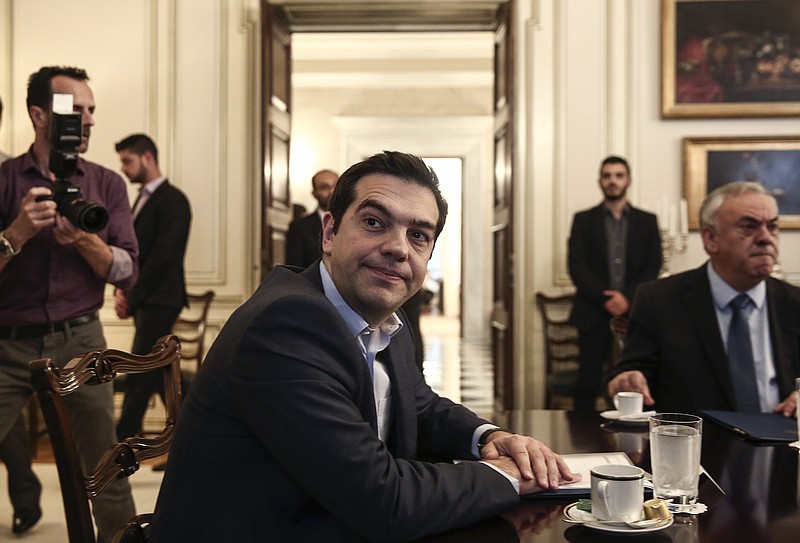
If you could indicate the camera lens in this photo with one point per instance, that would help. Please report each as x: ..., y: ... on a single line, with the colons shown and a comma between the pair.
x: 92, y: 217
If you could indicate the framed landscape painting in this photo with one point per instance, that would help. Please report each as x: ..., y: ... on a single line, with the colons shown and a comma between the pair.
x: 772, y: 161
x: 730, y: 58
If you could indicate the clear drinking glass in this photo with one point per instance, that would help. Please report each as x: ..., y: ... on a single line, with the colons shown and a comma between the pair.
x: 675, y: 443
x: 797, y: 394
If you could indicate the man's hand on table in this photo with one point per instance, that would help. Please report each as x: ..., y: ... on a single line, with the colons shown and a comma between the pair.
x: 528, y: 460
x: 788, y: 407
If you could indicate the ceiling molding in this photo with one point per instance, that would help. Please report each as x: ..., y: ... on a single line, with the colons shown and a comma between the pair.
x: 376, y: 15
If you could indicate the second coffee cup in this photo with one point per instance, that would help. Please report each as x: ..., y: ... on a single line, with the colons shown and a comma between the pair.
x: 628, y: 403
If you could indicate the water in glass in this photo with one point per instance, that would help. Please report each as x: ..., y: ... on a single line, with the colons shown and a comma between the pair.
x: 675, y: 457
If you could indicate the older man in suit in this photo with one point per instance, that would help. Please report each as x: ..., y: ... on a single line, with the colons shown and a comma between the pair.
x: 613, y: 247
x: 311, y: 391
x: 161, y: 219
x: 725, y: 336
x: 303, y: 240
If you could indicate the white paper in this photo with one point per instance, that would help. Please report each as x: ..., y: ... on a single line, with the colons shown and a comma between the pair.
x: 583, y: 463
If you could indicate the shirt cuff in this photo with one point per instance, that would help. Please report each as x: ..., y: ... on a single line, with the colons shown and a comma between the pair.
x: 121, y: 265
x: 513, y: 480
x: 476, y: 435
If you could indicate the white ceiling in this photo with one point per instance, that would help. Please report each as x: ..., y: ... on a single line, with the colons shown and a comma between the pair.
x: 392, y: 59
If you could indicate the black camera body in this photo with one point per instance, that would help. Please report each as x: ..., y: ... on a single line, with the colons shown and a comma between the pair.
x: 66, y: 132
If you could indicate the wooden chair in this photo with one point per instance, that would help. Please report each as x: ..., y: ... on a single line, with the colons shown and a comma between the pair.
x: 191, y: 326
x: 560, y: 347
x: 619, y: 329
x: 121, y: 460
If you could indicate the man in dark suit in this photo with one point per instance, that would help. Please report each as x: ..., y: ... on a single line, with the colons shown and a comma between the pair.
x: 683, y: 353
x: 312, y: 396
x: 303, y: 241
x: 613, y: 247
x: 161, y: 219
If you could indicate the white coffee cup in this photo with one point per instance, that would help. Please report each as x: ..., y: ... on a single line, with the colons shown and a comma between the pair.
x: 617, y: 492
x: 628, y: 403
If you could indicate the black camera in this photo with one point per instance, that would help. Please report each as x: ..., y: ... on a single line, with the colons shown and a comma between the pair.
x: 66, y: 132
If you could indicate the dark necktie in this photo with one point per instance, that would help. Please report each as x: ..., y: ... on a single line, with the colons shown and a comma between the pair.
x: 740, y: 357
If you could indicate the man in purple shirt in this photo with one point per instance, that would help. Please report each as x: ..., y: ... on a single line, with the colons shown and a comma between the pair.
x: 53, y: 276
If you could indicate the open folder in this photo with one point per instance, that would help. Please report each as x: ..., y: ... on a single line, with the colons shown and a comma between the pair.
x: 583, y: 463
x: 759, y: 427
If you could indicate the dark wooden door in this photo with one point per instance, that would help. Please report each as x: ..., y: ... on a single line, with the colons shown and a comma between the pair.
x: 276, y: 85
x: 503, y: 219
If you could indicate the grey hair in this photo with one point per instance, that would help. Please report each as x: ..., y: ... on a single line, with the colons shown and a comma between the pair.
x: 712, y: 203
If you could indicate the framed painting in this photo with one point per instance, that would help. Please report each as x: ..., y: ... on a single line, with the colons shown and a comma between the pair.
x: 774, y: 162
x: 730, y: 58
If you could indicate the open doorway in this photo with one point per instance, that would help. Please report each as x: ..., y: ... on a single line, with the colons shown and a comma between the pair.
x: 355, y: 94
x: 282, y: 20
x: 444, y: 267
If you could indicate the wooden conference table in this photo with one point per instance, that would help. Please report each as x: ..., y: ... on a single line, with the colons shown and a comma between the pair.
x: 761, y: 503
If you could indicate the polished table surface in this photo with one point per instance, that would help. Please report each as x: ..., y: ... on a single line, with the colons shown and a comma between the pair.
x: 760, y: 504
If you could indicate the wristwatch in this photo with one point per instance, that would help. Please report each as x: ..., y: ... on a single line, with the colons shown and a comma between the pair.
x: 484, y: 436
x: 6, y: 249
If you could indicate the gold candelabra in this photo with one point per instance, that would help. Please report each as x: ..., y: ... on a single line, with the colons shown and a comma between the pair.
x: 671, y: 244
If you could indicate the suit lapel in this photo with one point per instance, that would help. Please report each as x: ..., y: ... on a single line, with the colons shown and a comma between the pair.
x: 700, y: 306
x: 152, y: 201
x: 783, y: 335
x: 633, y: 249
x: 403, y: 433
x: 599, y: 234
x: 366, y: 401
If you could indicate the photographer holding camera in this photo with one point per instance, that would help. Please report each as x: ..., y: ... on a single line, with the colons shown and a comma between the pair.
x: 53, y: 274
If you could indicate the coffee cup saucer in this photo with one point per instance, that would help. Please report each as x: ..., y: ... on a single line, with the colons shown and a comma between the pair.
x: 637, y: 418
x: 574, y: 515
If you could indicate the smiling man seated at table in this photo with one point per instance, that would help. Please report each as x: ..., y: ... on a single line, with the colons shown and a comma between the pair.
x: 306, y: 418
x: 725, y: 336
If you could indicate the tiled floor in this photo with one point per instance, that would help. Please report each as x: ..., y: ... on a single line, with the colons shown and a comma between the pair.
x: 461, y: 371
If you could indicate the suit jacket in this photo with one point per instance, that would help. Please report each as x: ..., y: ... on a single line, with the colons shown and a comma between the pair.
x: 304, y: 241
x: 162, y: 229
x: 674, y: 339
x: 277, y: 440
x: 588, y: 261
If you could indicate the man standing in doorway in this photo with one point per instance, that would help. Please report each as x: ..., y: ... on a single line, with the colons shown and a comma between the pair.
x: 613, y: 247
x: 303, y: 240
x: 161, y: 218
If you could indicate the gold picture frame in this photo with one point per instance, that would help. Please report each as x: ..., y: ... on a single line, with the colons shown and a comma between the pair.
x: 730, y: 58
x: 772, y: 161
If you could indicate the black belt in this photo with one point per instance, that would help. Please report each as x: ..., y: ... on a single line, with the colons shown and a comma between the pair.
x: 40, y: 330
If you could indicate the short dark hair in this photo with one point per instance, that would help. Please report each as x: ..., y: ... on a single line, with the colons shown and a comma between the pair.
x: 1, y: 108
x: 138, y: 144
x: 396, y: 164
x: 614, y: 159
x: 40, y: 90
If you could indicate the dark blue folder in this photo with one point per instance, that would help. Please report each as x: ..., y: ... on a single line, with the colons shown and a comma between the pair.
x: 760, y: 427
